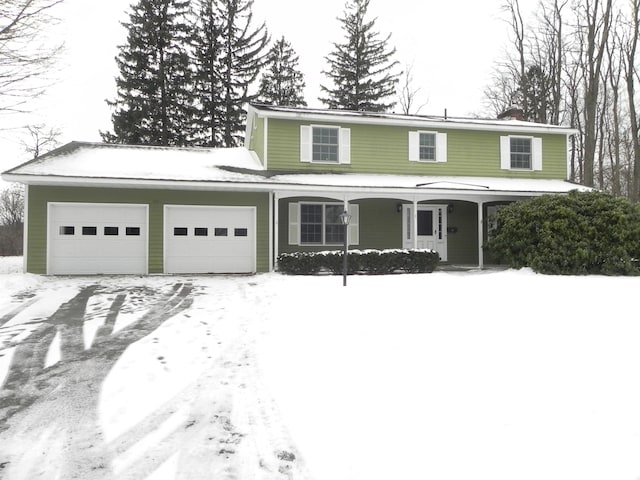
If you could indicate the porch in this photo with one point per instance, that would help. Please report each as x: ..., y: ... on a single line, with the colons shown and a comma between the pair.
x: 454, y: 227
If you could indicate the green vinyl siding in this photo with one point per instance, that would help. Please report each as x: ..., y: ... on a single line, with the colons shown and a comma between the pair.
x: 380, y: 224
x: 385, y: 150
x: 462, y: 236
x: 156, y: 200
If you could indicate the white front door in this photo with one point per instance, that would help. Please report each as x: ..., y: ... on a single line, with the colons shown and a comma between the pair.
x: 429, y: 225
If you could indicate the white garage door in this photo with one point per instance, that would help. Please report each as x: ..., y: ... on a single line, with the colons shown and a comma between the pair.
x: 89, y: 238
x: 209, y: 239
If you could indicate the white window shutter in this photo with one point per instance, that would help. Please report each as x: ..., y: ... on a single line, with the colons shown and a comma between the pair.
x: 354, y: 224
x: 305, y: 143
x: 536, y: 153
x: 414, y: 146
x: 345, y: 145
x: 441, y: 147
x: 294, y: 228
x: 505, y: 153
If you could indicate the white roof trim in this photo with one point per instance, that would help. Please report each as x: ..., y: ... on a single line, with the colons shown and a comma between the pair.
x: 285, y: 183
x: 391, y: 119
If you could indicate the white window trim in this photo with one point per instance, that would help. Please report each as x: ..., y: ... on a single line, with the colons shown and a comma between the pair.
x: 536, y: 153
x: 295, y: 224
x: 306, y: 144
x: 414, y: 146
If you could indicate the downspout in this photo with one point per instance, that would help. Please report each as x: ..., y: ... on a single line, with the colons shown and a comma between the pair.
x: 273, y: 238
x: 414, y: 226
x: 25, y: 229
x: 480, y: 235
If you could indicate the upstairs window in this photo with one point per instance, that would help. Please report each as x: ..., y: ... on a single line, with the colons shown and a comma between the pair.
x: 520, y: 153
x: 325, y: 144
x: 427, y: 147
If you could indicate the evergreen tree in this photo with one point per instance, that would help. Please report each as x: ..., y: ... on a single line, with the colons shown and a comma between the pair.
x: 537, y: 91
x: 282, y: 83
x: 154, y: 101
x: 208, y: 81
x: 233, y: 61
x: 361, y: 67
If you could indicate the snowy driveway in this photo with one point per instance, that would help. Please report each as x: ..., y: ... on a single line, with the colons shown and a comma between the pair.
x: 135, y: 378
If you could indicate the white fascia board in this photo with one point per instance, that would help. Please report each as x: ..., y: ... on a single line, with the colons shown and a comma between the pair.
x: 448, y: 124
x: 136, y: 183
x: 293, y: 190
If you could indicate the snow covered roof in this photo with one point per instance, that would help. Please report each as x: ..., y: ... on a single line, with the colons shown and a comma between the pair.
x: 100, y: 160
x: 98, y: 164
x: 423, y: 121
x: 426, y: 183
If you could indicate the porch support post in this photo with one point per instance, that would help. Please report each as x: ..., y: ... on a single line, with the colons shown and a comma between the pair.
x: 480, y: 236
x: 275, y: 233
x: 414, y: 225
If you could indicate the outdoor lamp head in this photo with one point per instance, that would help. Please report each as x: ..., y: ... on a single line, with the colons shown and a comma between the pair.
x: 345, y: 218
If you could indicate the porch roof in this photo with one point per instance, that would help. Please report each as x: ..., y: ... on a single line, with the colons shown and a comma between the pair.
x: 96, y: 164
x: 416, y: 184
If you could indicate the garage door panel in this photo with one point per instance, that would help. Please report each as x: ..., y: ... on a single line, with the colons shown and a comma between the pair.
x: 90, y: 265
x: 209, y: 239
x: 97, y: 238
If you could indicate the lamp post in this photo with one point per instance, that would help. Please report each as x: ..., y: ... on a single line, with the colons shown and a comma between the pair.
x: 344, y: 220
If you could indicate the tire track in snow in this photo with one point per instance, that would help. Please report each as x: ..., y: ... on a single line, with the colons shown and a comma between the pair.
x: 225, y: 417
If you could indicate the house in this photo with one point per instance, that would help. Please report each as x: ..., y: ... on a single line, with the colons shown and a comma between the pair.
x: 408, y: 182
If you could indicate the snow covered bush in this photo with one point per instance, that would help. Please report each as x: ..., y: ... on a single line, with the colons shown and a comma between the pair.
x: 372, y: 262
x: 299, y: 263
x: 576, y: 234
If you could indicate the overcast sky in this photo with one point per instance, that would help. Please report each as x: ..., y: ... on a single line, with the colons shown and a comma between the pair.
x: 452, y: 45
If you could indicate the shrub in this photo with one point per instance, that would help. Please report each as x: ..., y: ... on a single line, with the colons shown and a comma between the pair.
x: 299, y: 263
x: 579, y: 233
x: 420, y: 261
x: 333, y: 261
x: 373, y: 262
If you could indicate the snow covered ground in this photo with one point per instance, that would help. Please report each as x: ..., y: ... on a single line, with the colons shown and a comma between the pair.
x: 450, y: 376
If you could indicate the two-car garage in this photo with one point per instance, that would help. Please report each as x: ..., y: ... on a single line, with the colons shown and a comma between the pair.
x: 110, y: 238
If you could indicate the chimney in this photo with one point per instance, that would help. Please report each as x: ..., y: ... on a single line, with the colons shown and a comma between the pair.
x: 512, y: 113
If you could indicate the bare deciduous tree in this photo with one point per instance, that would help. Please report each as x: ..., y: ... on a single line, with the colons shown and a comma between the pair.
x: 629, y: 59
x: 11, y: 205
x: 594, y: 28
x: 41, y: 139
x: 577, y: 64
x: 11, y: 218
x: 408, y: 93
x: 25, y: 56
